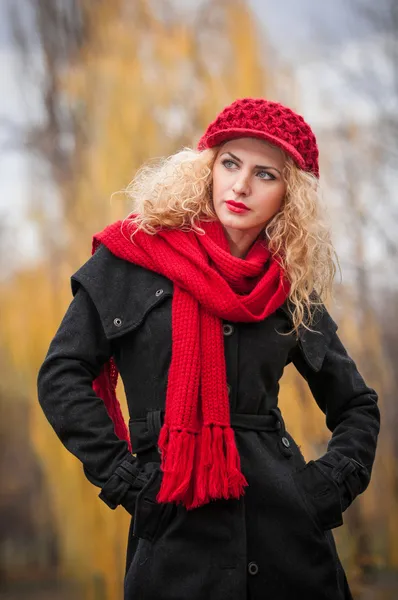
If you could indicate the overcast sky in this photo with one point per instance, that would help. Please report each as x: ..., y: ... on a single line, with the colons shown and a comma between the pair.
x: 297, y: 29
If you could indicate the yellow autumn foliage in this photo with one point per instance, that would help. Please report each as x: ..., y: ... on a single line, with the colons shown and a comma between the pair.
x: 143, y: 86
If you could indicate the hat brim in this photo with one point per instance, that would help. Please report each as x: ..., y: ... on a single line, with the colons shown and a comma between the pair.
x: 231, y: 134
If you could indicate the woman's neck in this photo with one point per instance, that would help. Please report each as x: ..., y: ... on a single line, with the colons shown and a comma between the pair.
x: 240, y: 242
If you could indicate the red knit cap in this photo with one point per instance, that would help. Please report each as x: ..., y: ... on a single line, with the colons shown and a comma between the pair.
x: 270, y: 121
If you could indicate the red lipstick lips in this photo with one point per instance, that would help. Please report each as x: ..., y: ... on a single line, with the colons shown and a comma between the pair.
x: 237, y: 207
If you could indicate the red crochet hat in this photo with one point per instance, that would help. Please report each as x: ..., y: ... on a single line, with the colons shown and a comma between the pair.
x: 270, y: 121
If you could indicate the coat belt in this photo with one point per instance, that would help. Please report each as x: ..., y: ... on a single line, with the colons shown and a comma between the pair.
x: 147, y: 444
x: 252, y: 422
x: 269, y: 422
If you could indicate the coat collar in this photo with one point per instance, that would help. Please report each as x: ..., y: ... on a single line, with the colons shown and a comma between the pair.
x: 122, y: 307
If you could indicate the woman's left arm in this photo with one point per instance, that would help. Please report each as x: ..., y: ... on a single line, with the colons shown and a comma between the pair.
x: 350, y: 406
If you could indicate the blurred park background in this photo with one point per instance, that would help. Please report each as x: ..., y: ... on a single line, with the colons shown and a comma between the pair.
x: 89, y: 91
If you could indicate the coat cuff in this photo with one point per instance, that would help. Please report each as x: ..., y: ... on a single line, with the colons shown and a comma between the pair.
x: 330, y: 484
x: 350, y: 476
x: 124, y: 485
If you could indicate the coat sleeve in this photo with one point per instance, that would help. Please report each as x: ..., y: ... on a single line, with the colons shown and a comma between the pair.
x: 77, y: 415
x: 350, y: 406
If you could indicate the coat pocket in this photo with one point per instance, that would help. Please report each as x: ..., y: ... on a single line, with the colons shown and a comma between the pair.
x: 150, y: 517
x: 320, y: 495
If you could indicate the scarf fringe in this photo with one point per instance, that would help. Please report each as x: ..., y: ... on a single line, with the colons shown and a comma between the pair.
x: 212, y: 454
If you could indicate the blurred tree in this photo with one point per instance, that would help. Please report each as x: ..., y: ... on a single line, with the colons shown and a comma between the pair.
x: 117, y: 82
x: 359, y: 151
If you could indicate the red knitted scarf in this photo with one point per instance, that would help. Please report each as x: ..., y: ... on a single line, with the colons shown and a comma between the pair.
x: 199, y: 457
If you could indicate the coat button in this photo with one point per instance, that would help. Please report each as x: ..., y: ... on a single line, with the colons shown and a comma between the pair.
x: 117, y: 322
x: 227, y: 329
x: 158, y: 292
x: 285, y: 442
x: 252, y: 568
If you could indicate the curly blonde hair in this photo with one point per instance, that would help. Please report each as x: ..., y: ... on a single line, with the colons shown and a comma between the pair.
x: 176, y: 192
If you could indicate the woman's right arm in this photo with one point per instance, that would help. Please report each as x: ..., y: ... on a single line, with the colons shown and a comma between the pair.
x: 77, y: 415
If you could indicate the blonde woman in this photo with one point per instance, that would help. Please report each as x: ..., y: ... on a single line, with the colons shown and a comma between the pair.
x: 199, y: 299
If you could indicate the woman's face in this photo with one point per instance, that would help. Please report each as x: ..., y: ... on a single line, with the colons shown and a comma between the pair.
x: 248, y: 187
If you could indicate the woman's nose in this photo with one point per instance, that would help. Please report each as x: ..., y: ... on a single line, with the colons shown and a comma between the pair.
x: 241, y: 186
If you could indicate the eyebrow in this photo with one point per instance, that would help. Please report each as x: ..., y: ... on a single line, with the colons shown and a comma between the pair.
x: 256, y: 167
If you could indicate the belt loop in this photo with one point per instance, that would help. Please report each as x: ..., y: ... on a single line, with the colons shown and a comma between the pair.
x: 278, y: 415
x: 154, y: 424
x: 284, y: 443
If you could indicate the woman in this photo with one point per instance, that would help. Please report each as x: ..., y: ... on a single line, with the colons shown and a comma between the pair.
x: 199, y: 299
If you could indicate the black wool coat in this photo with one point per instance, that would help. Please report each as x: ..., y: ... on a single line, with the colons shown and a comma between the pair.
x: 276, y: 540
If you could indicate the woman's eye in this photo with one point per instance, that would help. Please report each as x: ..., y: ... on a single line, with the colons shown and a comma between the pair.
x: 231, y: 164
x: 228, y: 163
x: 265, y: 175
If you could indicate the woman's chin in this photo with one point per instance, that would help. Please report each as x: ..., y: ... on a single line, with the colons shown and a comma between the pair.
x: 233, y: 220
x: 238, y: 222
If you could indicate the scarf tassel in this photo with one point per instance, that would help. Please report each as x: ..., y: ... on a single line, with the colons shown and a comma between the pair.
x: 178, y: 451
x: 212, y: 454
